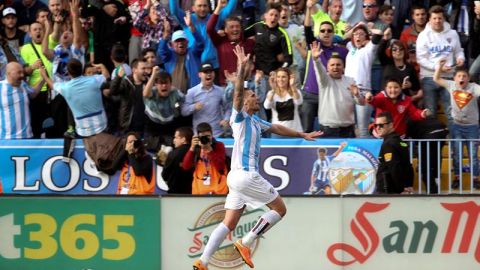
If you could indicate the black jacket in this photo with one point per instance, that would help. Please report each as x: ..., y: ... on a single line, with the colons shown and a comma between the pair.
x: 270, y: 42
x: 395, y: 171
x: 179, y: 181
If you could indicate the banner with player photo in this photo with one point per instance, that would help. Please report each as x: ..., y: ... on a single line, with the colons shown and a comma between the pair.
x: 293, y: 166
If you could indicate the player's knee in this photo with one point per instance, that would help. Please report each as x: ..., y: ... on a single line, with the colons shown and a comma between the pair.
x: 230, y: 225
x: 282, y: 211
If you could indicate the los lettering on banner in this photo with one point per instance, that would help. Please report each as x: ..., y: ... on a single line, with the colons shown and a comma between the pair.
x: 36, y: 167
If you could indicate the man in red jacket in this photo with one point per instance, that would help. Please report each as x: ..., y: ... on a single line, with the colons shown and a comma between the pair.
x: 225, y: 43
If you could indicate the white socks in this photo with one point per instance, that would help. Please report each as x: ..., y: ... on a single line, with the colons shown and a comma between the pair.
x: 216, y: 238
x: 265, y: 222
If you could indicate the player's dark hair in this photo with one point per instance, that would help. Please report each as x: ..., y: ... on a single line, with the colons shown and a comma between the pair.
x: 74, y: 68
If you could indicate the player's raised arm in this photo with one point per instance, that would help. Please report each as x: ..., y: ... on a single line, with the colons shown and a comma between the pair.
x: 242, y: 61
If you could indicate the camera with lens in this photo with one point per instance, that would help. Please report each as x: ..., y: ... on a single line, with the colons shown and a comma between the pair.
x: 137, y: 143
x: 204, y: 139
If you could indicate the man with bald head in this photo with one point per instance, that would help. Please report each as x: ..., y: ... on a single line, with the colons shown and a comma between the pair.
x: 15, y: 96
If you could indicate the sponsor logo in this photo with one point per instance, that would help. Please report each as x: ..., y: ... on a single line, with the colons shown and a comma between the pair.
x: 226, y: 256
x: 460, y: 231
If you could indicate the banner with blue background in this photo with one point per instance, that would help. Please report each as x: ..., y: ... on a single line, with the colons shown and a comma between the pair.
x: 36, y: 167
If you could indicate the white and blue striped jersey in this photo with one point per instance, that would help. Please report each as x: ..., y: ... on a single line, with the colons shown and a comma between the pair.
x: 84, y: 98
x: 247, y: 132
x: 15, y: 111
x: 320, y: 168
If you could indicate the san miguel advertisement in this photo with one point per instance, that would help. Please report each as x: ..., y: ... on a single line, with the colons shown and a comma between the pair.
x: 334, y: 233
x: 79, y: 233
x: 293, y: 166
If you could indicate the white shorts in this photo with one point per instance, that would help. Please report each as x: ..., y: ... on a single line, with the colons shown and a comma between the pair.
x: 248, y: 188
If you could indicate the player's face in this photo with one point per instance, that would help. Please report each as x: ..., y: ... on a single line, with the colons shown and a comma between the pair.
x: 321, y: 155
x: 461, y: 78
x: 393, y: 90
x: 251, y: 102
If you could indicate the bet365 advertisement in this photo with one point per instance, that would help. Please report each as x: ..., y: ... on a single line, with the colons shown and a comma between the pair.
x: 293, y: 166
x: 79, y: 233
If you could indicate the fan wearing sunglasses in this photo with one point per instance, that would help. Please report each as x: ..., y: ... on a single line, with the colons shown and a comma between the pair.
x: 395, y: 172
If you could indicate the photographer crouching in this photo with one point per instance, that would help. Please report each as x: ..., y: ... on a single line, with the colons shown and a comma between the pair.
x: 136, y: 176
x: 208, y: 157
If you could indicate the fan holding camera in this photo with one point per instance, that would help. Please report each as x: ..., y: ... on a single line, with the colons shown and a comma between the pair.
x: 208, y: 157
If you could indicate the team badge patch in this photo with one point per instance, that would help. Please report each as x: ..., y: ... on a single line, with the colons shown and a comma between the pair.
x: 387, y: 156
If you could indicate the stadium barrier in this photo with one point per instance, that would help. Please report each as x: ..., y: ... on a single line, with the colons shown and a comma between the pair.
x: 432, y: 156
x: 168, y: 233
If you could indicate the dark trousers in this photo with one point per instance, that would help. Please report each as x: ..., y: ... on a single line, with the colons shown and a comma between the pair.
x: 339, y: 132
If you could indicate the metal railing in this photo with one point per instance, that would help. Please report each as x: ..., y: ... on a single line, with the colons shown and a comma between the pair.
x: 434, y: 159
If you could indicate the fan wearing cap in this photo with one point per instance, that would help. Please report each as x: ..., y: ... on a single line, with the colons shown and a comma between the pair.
x: 8, y: 51
x: 180, y: 59
x: 206, y: 103
x: 10, y: 32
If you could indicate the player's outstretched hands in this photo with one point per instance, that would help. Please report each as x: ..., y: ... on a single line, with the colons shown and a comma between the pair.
x: 311, y: 136
x: 242, y: 59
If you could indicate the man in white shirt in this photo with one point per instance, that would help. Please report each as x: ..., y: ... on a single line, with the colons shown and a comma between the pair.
x: 434, y: 43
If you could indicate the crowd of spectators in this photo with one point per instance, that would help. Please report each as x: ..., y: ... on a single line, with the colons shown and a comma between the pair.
x: 159, y: 65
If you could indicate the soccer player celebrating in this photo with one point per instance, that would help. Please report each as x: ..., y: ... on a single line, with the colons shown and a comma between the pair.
x: 246, y: 186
